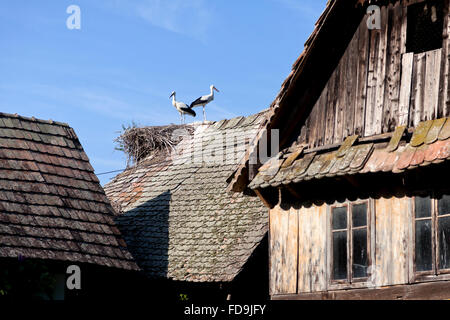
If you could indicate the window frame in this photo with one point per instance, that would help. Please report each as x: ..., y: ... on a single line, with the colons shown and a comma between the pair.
x: 435, y: 273
x: 406, y: 14
x: 350, y: 281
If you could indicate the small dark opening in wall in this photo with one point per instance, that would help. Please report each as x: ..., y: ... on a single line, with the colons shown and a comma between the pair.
x: 425, y: 26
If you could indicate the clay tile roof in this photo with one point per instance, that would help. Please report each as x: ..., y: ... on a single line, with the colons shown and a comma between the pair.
x: 177, y: 218
x: 430, y: 144
x: 51, y: 204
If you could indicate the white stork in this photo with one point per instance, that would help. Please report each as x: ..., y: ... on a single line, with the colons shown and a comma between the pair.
x: 182, y: 108
x: 204, y: 100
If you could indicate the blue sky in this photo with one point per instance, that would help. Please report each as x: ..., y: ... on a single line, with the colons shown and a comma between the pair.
x: 131, y: 54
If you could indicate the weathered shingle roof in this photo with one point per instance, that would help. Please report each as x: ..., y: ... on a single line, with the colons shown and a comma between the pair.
x: 51, y: 203
x: 178, y: 219
x: 429, y: 144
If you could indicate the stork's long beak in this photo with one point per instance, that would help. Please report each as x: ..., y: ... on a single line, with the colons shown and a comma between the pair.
x: 216, y: 89
x: 171, y: 96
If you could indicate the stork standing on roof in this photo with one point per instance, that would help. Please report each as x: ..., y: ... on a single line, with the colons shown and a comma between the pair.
x: 182, y: 108
x: 204, y: 100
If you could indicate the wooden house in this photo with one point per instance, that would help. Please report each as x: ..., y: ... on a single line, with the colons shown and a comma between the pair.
x: 54, y: 214
x: 359, y: 195
x: 193, y: 239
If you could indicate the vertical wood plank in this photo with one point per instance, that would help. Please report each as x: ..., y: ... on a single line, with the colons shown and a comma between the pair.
x: 404, y: 28
x: 383, y: 250
x: 272, y: 251
x: 410, y: 243
x: 381, y: 216
x: 302, y: 137
x: 381, y: 72
x: 376, y: 79
x: 392, y: 236
x: 275, y: 250
x: 371, y: 83
x: 290, y: 269
x: 312, y: 267
x: 319, y: 238
x: 431, y: 90
x: 331, y: 107
x: 341, y: 100
x: 405, y: 88
x: 417, y: 94
x: 303, y: 251
x: 361, y: 87
x: 329, y: 244
x: 313, y: 121
x: 323, y: 118
x: 372, y: 236
x: 399, y: 238
x: 283, y: 272
x: 392, y: 89
x: 443, y: 106
x: 311, y: 247
x: 350, y: 87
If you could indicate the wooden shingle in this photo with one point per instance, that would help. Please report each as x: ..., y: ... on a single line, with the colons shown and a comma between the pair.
x: 51, y: 203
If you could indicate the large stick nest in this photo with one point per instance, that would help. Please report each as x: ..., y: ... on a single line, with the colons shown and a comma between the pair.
x: 140, y: 143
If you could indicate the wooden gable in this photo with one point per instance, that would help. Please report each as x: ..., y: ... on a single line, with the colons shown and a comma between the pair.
x: 350, y: 80
x: 378, y: 86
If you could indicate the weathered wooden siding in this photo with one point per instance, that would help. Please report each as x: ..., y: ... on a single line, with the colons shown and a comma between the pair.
x: 392, y: 227
x: 312, y: 245
x: 283, y: 251
x: 300, y: 241
x: 378, y: 86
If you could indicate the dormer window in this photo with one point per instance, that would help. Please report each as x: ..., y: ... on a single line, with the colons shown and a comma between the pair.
x: 425, y: 26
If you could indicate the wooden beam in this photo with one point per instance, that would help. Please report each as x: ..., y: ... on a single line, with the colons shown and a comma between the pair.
x: 353, y: 181
x: 293, y: 192
x: 422, y: 291
x: 263, y: 199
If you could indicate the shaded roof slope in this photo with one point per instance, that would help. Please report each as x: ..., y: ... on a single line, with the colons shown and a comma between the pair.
x: 51, y: 203
x: 178, y: 219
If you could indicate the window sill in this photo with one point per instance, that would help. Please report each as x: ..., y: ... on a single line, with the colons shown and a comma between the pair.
x: 355, y: 285
x: 418, y: 278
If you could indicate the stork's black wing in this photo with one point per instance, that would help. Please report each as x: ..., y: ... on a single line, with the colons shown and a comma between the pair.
x: 188, y: 111
x: 197, y: 102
